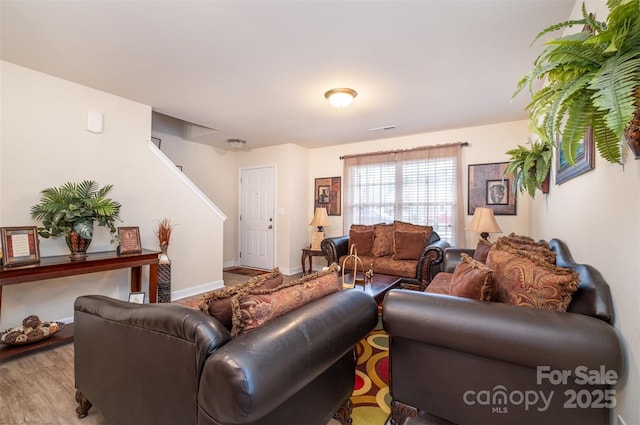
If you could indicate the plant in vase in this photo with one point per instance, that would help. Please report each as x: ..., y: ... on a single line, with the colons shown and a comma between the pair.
x: 71, y: 210
x: 530, y: 166
x: 163, y: 233
x: 593, y: 80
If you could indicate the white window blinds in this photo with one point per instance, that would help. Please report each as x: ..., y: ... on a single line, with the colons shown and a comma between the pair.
x: 419, y: 186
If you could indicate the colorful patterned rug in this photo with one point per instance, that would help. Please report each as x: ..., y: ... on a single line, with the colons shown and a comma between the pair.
x: 371, y: 399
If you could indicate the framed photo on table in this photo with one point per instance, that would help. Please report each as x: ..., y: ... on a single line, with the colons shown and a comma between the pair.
x: 489, y: 187
x: 129, y: 240
x: 19, y: 246
x: 136, y: 297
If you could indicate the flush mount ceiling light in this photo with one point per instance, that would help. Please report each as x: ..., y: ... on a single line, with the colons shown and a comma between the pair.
x: 236, y: 144
x: 341, y: 98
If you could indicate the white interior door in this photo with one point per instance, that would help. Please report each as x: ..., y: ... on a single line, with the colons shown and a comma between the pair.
x: 257, y: 219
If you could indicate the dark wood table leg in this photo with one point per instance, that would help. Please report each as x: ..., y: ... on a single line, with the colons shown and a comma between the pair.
x: 153, y: 283
x: 136, y: 279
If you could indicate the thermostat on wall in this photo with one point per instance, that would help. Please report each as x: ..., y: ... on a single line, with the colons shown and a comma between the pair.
x: 94, y: 121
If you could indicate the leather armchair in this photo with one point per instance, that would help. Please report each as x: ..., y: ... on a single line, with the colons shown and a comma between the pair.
x: 170, y: 364
x: 457, y: 360
x: 428, y: 264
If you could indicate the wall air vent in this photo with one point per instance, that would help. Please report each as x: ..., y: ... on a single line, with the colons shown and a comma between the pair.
x: 386, y: 127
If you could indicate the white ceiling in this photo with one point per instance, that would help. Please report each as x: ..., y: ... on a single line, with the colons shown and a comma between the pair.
x: 258, y: 70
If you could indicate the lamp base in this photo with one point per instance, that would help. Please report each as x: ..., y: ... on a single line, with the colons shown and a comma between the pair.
x: 485, y: 236
x: 316, y: 239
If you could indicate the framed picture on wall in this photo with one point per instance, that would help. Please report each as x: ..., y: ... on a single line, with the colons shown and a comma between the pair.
x: 584, y: 159
x: 327, y: 194
x: 489, y: 187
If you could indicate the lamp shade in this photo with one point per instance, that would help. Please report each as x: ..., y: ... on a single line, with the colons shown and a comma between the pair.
x: 320, y: 218
x: 483, y: 221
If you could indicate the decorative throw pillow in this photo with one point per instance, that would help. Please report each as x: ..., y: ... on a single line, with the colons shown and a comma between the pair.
x: 408, y: 245
x: 402, y: 226
x: 539, y: 249
x: 482, y: 250
x: 526, y: 280
x: 363, y: 240
x: 218, y: 303
x: 472, y: 279
x: 361, y: 227
x: 383, y: 240
x: 254, y: 308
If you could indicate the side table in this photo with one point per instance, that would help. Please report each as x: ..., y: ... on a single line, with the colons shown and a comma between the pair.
x: 310, y: 253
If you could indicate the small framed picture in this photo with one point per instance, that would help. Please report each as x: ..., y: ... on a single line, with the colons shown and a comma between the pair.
x: 19, y: 246
x: 136, y: 297
x: 129, y: 240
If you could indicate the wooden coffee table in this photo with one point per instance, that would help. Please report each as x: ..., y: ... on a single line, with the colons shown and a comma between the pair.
x: 378, y: 286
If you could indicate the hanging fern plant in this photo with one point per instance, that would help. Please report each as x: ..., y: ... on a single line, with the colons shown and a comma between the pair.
x: 592, y: 81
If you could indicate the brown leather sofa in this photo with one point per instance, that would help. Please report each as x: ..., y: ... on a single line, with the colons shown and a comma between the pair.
x: 336, y: 248
x: 463, y: 361
x: 170, y: 364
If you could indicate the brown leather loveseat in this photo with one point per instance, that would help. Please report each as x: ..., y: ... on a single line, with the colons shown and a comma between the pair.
x: 465, y: 361
x: 170, y: 364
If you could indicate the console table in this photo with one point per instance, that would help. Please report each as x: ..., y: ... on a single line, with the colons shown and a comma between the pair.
x: 62, y: 266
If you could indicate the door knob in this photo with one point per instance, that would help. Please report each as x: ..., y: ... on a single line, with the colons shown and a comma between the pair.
x: 270, y: 227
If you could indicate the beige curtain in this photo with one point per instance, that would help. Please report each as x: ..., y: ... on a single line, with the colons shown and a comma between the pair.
x: 420, y: 186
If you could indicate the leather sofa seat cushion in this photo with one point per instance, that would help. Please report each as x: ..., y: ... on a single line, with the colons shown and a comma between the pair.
x: 218, y: 303
x: 383, y: 240
x: 470, y: 279
x: 408, y: 245
x: 362, y: 239
x: 525, y: 279
x: 253, y: 308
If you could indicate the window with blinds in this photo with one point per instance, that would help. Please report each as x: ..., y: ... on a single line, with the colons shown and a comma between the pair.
x: 420, y: 186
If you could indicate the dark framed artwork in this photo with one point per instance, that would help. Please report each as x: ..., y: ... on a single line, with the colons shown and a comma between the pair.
x: 584, y: 159
x: 19, y: 246
x: 327, y: 194
x: 129, y: 240
x: 489, y: 187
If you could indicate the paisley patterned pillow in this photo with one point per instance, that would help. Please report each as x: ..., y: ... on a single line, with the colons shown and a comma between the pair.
x: 527, y: 280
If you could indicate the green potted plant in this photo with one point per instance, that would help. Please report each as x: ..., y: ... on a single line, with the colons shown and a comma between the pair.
x: 530, y: 167
x: 71, y: 211
x: 592, y: 81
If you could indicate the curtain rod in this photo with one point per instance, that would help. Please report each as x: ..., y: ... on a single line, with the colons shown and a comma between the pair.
x: 463, y: 144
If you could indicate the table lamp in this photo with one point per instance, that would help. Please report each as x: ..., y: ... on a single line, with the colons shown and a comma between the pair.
x: 483, y: 221
x: 320, y: 219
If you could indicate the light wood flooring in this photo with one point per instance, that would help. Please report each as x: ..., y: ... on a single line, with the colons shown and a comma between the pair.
x: 38, y: 388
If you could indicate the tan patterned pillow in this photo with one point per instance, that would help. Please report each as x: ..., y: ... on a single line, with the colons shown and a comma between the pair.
x: 218, y: 303
x: 526, y: 280
x: 409, y: 227
x: 363, y: 240
x: 383, y: 240
x: 254, y: 308
x: 408, y: 245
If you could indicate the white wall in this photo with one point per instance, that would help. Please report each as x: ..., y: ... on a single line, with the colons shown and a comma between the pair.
x: 596, y: 214
x: 44, y: 143
x: 487, y: 144
x: 213, y: 170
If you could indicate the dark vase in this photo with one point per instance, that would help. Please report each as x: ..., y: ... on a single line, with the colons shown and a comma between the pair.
x: 77, y: 245
x: 164, y: 275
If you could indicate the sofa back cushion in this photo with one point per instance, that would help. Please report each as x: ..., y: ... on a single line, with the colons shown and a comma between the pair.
x: 408, y: 245
x: 218, y: 303
x: 362, y: 237
x: 383, y: 240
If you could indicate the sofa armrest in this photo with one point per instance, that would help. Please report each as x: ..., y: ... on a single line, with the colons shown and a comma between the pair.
x: 258, y: 371
x: 334, y: 248
x: 518, y: 335
x: 453, y: 256
x: 430, y: 260
x: 124, y: 350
